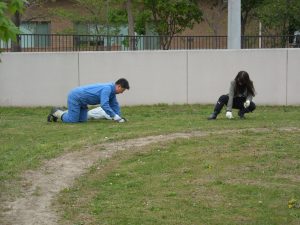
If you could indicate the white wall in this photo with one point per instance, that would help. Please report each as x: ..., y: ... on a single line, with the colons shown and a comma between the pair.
x: 154, y: 77
x: 37, y: 79
x: 293, y: 77
x: 210, y: 73
x: 197, y: 76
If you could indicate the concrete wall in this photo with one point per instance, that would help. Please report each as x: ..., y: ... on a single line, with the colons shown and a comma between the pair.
x: 43, y: 79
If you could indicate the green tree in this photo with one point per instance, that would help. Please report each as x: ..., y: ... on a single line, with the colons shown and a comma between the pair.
x: 280, y: 17
x: 8, y: 30
x: 168, y: 17
x: 130, y: 9
x: 105, y: 16
x: 249, y: 12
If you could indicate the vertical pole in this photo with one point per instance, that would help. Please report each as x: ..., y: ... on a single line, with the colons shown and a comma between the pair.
x: 259, y: 33
x: 234, y: 24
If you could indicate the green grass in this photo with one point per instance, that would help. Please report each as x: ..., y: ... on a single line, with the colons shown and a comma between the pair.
x: 245, y: 178
x: 208, y: 180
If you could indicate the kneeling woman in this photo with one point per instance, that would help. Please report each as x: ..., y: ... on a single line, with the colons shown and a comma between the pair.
x: 240, y: 97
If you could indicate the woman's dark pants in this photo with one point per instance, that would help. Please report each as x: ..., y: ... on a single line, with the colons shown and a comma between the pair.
x: 238, y: 103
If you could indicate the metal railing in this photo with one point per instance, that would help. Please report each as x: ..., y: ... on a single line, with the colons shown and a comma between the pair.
x: 59, y: 42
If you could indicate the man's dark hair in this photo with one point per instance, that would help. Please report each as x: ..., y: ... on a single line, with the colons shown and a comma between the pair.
x: 123, y: 83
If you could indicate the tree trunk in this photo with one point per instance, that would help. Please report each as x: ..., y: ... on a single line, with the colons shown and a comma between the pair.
x: 244, y: 20
x: 130, y: 25
x: 16, y: 46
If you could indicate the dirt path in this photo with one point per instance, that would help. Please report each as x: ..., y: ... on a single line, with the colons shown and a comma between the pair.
x: 41, y: 186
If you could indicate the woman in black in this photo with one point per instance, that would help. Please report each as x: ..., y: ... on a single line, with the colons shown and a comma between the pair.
x: 239, y: 97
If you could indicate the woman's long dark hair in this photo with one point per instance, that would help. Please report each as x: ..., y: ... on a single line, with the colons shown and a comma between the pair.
x: 243, y: 82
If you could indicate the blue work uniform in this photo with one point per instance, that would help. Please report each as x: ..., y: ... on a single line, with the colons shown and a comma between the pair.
x: 79, y: 99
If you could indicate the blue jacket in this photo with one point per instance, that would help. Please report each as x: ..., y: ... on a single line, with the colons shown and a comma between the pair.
x: 94, y: 94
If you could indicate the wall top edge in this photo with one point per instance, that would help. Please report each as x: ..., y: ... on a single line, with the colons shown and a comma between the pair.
x: 151, y: 51
x: 37, y: 53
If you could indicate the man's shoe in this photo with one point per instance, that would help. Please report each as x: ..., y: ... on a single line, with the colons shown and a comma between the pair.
x: 51, y: 117
x: 212, y: 116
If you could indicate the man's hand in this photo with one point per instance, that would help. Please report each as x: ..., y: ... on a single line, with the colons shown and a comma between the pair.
x: 229, y: 115
x: 119, y: 119
x: 246, y: 103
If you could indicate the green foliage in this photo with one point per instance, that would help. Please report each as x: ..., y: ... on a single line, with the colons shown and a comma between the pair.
x: 167, y: 18
x: 248, y: 5
x: 249, y: 11
x: 15, y: 5
x: 117, y: 17
x: 69, y: 15
x: 171, y: 17
x: 105, y: 16
x: 92, y: 23
x: 280, y: 16
x: 92, y: 13
x: 142, y: 21
x: 7, y: 28
x: 162, y: 17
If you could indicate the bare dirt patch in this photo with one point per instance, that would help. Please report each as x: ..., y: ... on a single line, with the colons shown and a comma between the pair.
x: 41, y: 186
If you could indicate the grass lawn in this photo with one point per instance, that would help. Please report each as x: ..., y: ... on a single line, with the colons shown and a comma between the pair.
x: 245, y: 177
